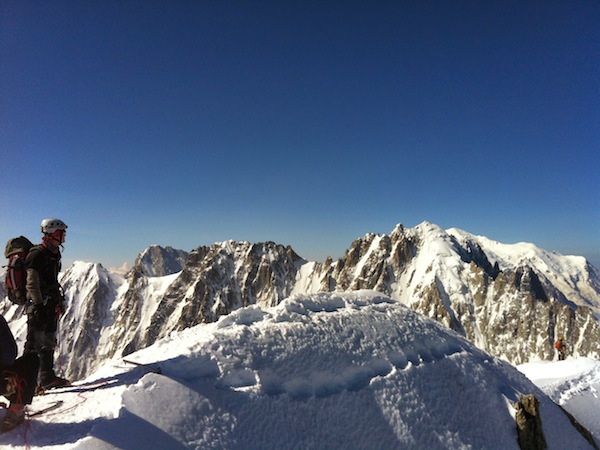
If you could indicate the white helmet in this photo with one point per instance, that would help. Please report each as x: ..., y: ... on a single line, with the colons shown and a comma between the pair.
x: 49, y: 226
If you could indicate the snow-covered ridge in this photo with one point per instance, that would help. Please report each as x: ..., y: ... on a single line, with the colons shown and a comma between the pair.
x: 574, y: 276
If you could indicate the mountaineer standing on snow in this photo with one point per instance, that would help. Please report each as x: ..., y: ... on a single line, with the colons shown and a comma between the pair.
x: 561, y: 348
x: 45, y: 300
x: 17, y: 377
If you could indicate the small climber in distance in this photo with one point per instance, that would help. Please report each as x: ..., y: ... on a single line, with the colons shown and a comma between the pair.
x: 561, y: 348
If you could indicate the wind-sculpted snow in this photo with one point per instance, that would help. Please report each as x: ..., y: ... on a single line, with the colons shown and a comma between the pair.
x: 358, y: 368
x: 295, y: 376
x: 322, y: 371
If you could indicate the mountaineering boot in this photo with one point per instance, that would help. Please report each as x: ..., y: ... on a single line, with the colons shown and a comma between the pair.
x: 15, y: 415
x: 49, y: 380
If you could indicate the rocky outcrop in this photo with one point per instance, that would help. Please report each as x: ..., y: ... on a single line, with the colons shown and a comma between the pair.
x: 530, y: 432
x: 529, y: 424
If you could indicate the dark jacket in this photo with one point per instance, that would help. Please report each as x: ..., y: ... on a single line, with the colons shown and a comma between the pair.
x: 42, y: 267
x: 8, y: 346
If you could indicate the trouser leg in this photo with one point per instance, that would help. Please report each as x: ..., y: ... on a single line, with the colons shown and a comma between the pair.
x: 46, y: 363
x: 41, y: 340
x: 26, y: 367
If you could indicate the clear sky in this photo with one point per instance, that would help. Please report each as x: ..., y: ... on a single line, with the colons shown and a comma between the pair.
x: 307, y: 123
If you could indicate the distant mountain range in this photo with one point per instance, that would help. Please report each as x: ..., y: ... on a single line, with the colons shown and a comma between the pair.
x: 512, y: 301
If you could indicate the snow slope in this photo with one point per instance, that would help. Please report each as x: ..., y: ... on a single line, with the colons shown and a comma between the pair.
x: 574, y: 384
x: 329, y: 370
x: 571, y: 275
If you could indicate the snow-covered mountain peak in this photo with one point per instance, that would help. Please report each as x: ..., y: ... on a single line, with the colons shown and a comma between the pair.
x: 82, y: 269
x: 520, y: 253
x: 475, y: 285
x: 430, y: 230
x: 572, y: 276
x: 269, y: 250
x: 157, y: 261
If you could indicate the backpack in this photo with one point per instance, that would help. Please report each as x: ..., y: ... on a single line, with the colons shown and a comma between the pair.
x: 16, y: 276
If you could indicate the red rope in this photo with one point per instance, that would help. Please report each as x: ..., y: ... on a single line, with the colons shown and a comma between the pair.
x: 18, y: 383
x: 26, y: 425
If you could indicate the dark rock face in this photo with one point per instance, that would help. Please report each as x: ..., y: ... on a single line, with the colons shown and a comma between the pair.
x: 159, y: 261
x: 219, y: 279
x: 529, y: 424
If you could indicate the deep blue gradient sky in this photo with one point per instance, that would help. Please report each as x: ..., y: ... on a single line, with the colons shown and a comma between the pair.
x: 308, y: 123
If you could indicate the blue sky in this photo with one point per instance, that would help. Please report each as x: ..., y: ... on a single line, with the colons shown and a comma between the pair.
x: 308, y: 123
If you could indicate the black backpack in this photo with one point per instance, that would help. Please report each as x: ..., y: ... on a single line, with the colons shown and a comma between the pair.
x: 16, y: 276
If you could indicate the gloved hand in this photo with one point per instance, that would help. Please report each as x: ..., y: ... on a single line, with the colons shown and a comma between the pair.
x: 37, y: 313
